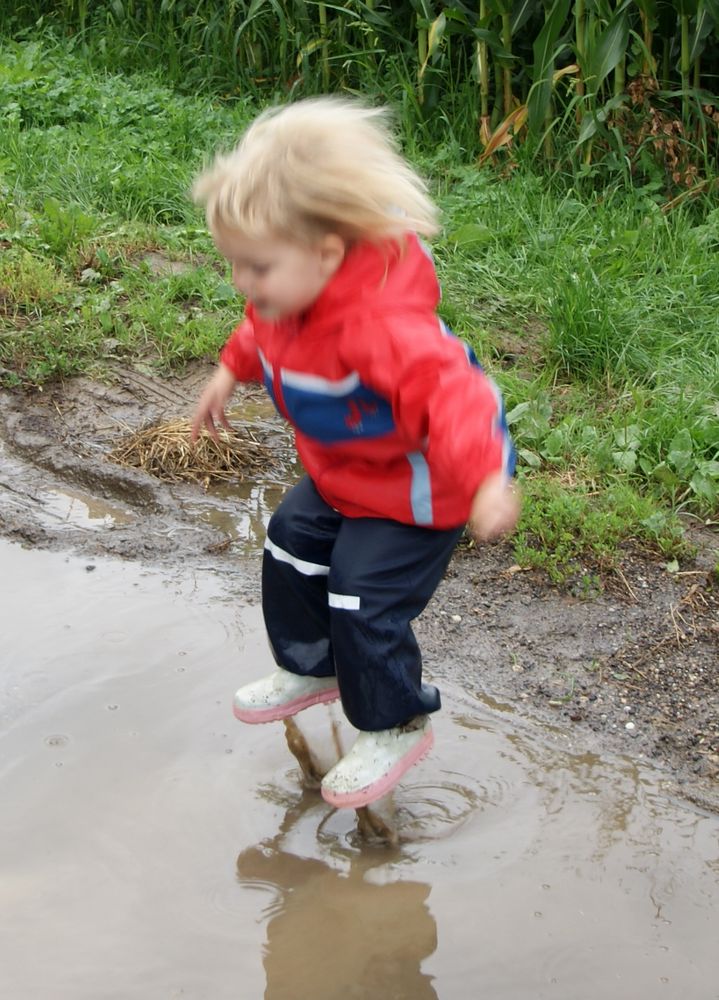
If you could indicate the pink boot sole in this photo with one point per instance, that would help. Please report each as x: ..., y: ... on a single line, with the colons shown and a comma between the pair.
x: 355, y: 800
x: 277, y: 712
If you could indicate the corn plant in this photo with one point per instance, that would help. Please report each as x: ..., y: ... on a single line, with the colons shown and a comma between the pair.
x: 498, y: 67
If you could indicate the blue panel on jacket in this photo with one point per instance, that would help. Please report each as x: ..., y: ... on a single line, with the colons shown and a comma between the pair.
x: 331, y: 419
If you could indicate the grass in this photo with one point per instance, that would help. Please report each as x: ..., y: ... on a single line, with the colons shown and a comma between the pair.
x: 577, y: 533
x: 595, y: 312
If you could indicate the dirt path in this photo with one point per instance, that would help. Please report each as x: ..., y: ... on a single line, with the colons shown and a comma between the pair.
x: 633, y: 671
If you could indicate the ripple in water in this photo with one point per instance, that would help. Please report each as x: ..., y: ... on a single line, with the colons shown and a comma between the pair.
x: 229, y: 897
x: 416, y: 812
x: 430, y: 811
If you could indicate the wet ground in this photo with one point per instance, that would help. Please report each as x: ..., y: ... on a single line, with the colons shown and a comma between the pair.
x: 152, y: 847
x: 560, y: 841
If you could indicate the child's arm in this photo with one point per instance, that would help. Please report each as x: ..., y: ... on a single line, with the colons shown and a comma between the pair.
x: 449, y: 407
x: 240, y: 352
x: 239, y: 362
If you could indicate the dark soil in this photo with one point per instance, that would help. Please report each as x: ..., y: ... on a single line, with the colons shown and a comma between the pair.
x: 633, y: 669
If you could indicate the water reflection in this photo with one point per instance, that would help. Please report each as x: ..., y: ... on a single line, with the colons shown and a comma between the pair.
x: 337, y: 930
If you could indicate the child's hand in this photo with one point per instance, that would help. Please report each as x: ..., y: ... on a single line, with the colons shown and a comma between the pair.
x: 210, y: 409
x: 495, y: 508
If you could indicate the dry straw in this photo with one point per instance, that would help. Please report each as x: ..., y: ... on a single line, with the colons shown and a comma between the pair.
x: 165, y: 451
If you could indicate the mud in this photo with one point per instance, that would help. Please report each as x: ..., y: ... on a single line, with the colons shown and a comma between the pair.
x: 56, y: 481
x: 633, y: 669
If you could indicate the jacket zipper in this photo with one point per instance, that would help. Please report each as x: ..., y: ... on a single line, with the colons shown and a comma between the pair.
x: 277, y: 390
x: 277, y: 382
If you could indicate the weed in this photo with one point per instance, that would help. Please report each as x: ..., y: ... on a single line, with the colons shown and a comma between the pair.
x: 29, y: 284
x: 567, y: 533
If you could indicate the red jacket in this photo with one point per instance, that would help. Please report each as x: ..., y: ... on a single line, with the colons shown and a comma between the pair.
x: 393, y: 417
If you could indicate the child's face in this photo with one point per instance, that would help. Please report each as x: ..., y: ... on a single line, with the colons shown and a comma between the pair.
x: 280, y: 278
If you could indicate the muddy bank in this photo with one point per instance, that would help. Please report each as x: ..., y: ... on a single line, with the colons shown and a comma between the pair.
x: 634, y: 670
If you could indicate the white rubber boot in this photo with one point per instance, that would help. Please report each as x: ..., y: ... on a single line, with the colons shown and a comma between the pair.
x: 375, y: 764
x: 281, y: 695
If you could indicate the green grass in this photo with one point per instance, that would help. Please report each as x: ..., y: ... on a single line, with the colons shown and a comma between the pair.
x: 576, y: 533
x: 599, y: 318
x: 595, y: 312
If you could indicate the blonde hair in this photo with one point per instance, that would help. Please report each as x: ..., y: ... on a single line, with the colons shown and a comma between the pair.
x: 317, y: 166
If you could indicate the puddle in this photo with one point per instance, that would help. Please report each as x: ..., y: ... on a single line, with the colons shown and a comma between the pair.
x: 81, y: 510
x: 241, y: 512
x: 150, y: 846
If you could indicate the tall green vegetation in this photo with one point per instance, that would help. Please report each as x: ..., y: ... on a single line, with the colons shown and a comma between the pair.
x: 621, y: 86
x: 593, y: 306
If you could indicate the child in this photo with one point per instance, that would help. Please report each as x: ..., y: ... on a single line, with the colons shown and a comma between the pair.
x: 402, y: 436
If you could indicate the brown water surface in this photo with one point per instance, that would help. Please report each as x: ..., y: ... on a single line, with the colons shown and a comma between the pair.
x: 151, y: 847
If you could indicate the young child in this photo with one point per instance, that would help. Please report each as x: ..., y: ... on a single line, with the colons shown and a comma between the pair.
x: 401, y: 435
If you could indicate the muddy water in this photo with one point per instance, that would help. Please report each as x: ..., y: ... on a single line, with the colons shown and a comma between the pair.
x: 151, y: 847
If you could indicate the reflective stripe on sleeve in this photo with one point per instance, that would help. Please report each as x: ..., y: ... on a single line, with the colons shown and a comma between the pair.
x: 421, y: 488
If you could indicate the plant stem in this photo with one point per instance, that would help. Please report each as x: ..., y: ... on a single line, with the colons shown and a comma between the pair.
x: 421, y: 56
x: 648, y: 64
x: 322, y: 9
x: 580, y: 28
x: 685, y: 66
x: 620, y: 77
x: 507, y: 70
x: 483, y: 66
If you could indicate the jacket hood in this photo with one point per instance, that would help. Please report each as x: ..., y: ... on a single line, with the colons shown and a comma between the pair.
x: 394, y: 273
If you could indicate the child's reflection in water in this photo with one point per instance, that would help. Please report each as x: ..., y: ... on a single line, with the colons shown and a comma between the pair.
x: 333, y: 936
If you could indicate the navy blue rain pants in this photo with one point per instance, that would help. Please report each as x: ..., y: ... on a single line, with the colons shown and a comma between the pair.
x: 338, y: 596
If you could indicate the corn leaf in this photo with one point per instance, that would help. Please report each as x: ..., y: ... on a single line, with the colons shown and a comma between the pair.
x: 498, y: 6
x: 312, y: 46
x: 436, y: 31
x: 588, y: 128
x: 572, y: 70
x: 546, y: 49
x: 521, y: 13
x: 505, y: 132
x: 423, y: 9
x: 593, y: 121
x: 702, y: 30
x: 495, y: 44
x: 685, y: 8
x: 649, y: 10
x: 609, y: 48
